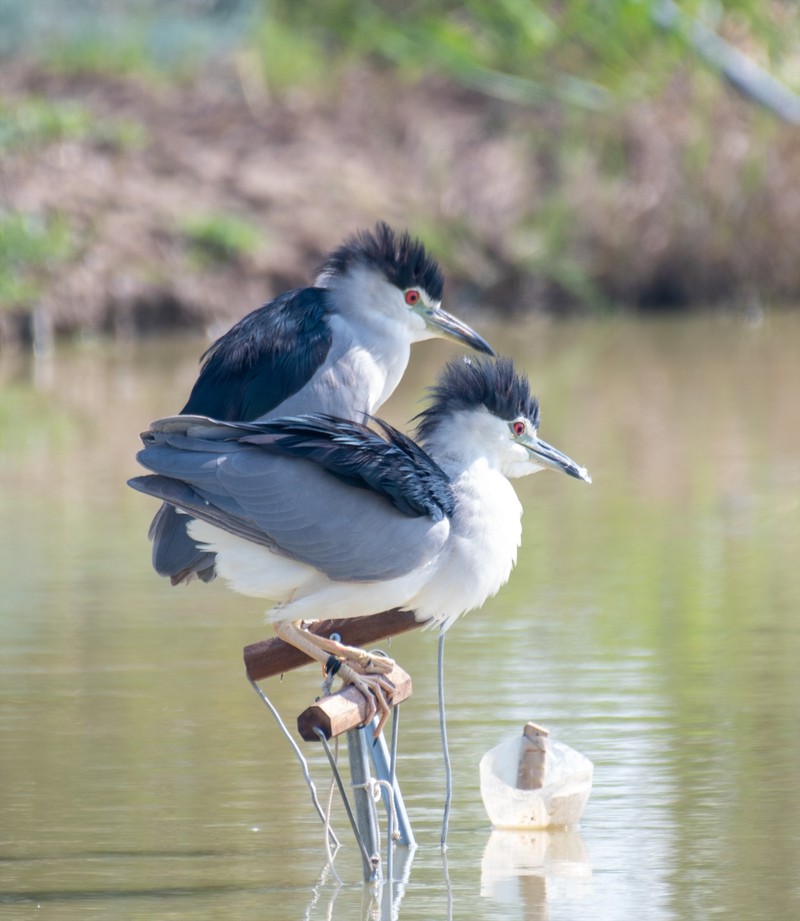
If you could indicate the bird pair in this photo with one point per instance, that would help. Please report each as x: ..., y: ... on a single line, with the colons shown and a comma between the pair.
x: 277, y: 477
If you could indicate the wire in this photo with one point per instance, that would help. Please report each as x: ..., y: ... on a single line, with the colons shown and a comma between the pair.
x: 448, y: 773
x: 300, y: 758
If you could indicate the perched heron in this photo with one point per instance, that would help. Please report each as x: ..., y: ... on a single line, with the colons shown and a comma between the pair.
x: 340, y: 348
x: 330, y: 519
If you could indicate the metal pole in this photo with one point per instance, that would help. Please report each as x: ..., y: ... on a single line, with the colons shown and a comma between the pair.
x: 384, y: 770
x: 366, y: 819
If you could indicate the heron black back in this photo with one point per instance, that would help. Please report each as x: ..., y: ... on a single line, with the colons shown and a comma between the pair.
x: 264, y: 358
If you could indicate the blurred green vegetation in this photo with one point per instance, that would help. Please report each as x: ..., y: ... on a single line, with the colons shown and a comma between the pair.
x: 29, y: 244
x: 145, y: 38
x: 93, y: 53
x: 220, y: 237
x: 581, y: 53
x: 584, y: 53
x: 36, y: 121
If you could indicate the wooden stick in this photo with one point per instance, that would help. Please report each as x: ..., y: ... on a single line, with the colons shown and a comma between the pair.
x: 274, y: 657
x: 337, y: 713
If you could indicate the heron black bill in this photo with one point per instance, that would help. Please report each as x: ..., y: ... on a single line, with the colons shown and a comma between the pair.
x: 452, y: 328
x: 549, y: 456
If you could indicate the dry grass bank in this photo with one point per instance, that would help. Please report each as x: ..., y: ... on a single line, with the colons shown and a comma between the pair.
x: 191, y: 203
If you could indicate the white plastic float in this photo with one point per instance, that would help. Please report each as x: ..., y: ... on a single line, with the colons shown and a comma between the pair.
x: 532, y: 781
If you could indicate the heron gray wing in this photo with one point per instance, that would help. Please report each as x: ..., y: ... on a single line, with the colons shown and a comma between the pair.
x: 388, y: 463
x: 293, y: 505
x: 175, y: 554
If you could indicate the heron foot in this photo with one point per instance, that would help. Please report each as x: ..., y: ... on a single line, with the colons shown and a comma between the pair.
x: 370, y: 663
x: 366, y: 670
x: 373, y: 688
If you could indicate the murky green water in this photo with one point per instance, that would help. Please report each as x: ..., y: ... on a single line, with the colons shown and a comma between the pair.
x: 653, y: 623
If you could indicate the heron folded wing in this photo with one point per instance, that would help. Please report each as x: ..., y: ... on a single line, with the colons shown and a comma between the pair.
x: 198, y: 427
x: 179, y: 495
x: 389, y: 464
x: 294, y: 506
x: 175, y: 554
x: 350, y: 535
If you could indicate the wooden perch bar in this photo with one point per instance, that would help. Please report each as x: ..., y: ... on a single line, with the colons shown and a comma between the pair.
x: 274, y: 657
x: 340, y: 712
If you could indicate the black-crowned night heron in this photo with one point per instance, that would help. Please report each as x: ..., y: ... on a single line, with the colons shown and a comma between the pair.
x: 329, y: 518
x: 340, y: 347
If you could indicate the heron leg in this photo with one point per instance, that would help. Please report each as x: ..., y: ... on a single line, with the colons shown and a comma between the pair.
x: 359, y: 668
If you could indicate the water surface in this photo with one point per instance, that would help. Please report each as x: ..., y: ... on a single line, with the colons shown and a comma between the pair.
x: 653, y: 623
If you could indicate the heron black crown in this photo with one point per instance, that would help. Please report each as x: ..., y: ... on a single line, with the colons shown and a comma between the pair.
x: 470, y: 383
x: 402, y: 259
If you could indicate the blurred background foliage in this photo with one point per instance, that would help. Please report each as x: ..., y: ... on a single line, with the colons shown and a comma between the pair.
x: 175, y: 164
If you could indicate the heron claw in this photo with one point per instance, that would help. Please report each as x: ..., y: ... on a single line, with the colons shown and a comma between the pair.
x: 366, y: 670
x: 374, y: 689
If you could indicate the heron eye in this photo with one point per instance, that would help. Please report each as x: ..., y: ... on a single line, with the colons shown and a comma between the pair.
x: 518, y: 427
x: 412, y: 297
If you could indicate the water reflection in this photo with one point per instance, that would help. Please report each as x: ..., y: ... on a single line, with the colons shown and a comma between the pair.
x: 653, y: 622
x: 519, y: 867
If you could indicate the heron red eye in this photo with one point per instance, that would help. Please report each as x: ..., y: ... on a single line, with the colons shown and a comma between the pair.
x: 519, y: 427
x: 412, y: 297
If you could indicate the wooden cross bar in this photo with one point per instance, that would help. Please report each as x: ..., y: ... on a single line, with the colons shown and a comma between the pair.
x: 340, y: 712
x: 274, y: 657
x: 347, y: 709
